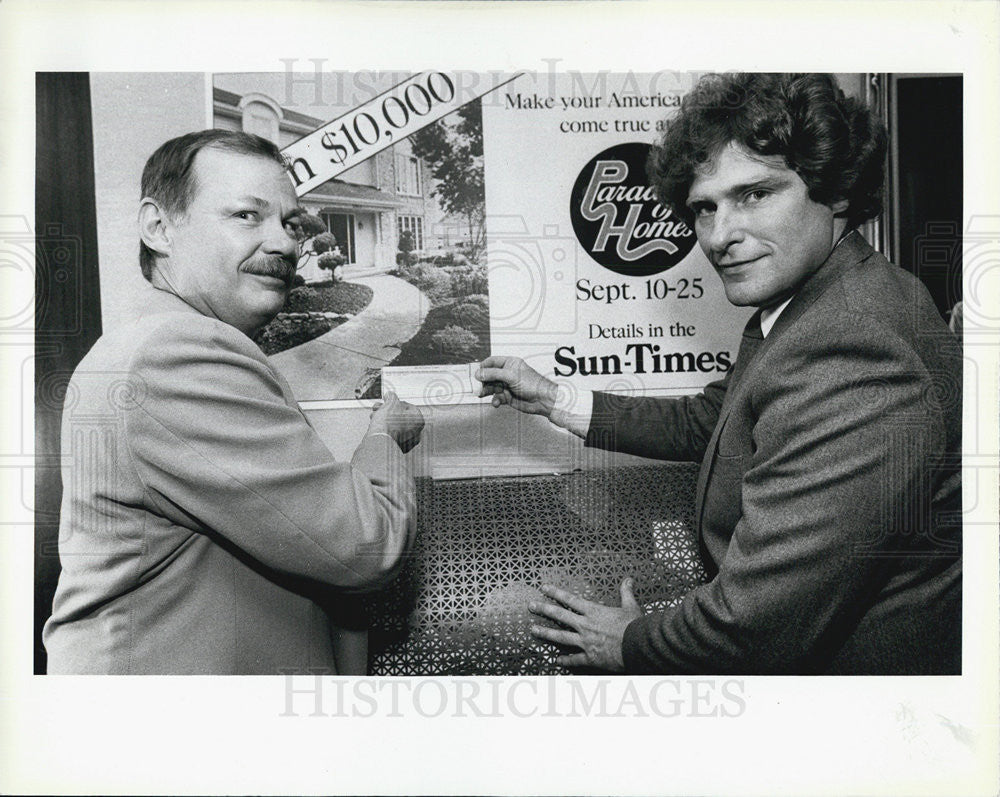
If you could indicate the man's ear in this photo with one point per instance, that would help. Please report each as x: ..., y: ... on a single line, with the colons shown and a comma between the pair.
x: 154, y: 226
x: 839, y: 207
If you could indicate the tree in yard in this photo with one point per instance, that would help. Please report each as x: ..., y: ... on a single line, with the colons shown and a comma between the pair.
x: 406, y: 246
x: 331, y: 261
x: 454, y: 152
x: 313, y: 237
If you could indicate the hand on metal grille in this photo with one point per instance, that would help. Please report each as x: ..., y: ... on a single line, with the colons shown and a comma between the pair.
x: 597, y: 630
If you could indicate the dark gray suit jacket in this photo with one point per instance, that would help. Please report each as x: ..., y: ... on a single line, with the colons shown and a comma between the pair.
x: 829, y: 494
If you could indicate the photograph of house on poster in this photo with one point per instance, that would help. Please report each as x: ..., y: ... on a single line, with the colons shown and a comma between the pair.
x: 392, y: 251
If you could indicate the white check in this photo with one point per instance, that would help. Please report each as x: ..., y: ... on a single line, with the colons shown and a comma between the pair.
x: 434, y: 385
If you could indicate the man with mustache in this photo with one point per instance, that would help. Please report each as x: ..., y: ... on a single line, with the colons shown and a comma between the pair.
x: 829, y: 498
x: 204, y: 524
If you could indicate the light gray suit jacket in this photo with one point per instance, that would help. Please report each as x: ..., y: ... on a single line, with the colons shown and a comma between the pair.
x: 829, y: 494
x: 203, y: 521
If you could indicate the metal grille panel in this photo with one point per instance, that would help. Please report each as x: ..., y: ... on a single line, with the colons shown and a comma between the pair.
x: 485, y: 545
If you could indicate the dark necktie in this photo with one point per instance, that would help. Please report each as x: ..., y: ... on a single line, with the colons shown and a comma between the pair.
x: 749, y: 344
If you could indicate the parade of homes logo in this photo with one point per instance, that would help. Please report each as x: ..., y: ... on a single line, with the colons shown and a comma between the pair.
x: 619, y: 221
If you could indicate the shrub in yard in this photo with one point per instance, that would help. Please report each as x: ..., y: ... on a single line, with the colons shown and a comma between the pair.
x: 310, y: 227
x: 455, y: 341
x: 406, y: 245
x: 471, y: 315
x: 285, y: 332
x: 413, y: 272
x: 330, y: 260
x: 302, y: 299
x: 433, y: 281
x: 437, y: 286
x: 451, y: 259
x: 480, y: 281
x: 324, y: 242
x: 328, y: 297
x: 466, y: 280
x: 441, y: 284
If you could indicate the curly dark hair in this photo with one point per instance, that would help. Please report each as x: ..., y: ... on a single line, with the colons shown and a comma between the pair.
x: 832, y: 141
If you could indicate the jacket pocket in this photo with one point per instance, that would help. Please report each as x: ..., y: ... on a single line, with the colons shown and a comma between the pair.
x: 723, y: 502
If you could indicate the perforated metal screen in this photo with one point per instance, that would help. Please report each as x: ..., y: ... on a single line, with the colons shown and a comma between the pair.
x: 485, y: 545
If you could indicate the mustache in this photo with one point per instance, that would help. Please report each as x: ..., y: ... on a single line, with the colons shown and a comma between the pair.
x: 272, y: 266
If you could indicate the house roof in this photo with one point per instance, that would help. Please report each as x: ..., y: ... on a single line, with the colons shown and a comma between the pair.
x: 337, y: 192
x: 233, y: 100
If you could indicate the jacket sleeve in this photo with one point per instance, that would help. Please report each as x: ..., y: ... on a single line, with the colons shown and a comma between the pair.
x: 220, y: 450
x: 842, y: 450
x: 676, y: 429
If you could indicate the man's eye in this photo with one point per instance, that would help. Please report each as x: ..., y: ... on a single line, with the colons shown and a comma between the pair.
x: 247, y: 215
x: 701, y: 211
x: 755, y: 196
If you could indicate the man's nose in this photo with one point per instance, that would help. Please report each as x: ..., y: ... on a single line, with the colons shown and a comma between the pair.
x: 279, y: 240
x: 727, y: 229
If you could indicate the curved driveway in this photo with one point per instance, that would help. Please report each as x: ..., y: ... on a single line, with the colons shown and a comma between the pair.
x: 333, y: 365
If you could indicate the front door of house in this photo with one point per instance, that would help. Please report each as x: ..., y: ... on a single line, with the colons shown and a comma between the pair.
x: 342, y: 227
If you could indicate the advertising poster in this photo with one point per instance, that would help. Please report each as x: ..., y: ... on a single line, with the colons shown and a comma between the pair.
x: 451, y: 215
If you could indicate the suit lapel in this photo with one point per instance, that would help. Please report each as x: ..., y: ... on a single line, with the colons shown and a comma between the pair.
x: 851, y: 250
x: 749, y: 346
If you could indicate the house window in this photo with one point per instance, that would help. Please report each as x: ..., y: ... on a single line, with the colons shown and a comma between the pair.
x: 407, y: 175
x: 414, y: 224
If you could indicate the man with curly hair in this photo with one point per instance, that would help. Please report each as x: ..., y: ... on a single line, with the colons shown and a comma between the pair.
x: 829, y: 497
